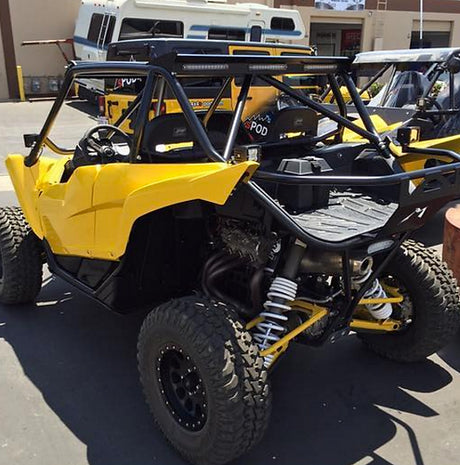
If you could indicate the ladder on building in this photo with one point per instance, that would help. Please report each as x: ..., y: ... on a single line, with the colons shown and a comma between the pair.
x: 382, y: 5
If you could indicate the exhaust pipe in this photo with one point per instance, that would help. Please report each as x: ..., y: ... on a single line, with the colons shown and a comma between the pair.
x: 330, y: 263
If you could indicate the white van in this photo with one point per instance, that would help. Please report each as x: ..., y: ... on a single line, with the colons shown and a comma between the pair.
x: 103, y: 21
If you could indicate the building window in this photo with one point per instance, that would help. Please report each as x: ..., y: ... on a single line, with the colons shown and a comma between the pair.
x: 101, y: 28
x: 430, y: 39
x: 224, y: 33
x: 282, y: 24
x: 256, y: 34
x: 136, y: 28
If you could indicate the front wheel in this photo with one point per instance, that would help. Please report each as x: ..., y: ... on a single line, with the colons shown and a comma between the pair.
x: 21, y: 260
x: 430, y: 312
x: 203, y: 380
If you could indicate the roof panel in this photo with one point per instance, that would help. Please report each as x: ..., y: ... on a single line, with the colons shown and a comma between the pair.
x: 424, y: 55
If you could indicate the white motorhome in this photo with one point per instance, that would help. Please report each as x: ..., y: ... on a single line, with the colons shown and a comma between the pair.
x: 103, y: 21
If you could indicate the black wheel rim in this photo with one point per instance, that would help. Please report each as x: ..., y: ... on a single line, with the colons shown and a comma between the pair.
x: 182, y: 387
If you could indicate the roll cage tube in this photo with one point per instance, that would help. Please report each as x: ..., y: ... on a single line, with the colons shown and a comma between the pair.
x: 143, y: 114
x: 387, y: 180
x: 132, y: 107
x: 161, y: 88
x: 91, y: 70
x: 451, y: 89
x: 373, y: 138
x: 364, y: 115
x: 439, y: 70
x: 236, y: 120
x: 192, y: 119
x: 334, y: 86
x: 375, y: 78
x: 215, y: 103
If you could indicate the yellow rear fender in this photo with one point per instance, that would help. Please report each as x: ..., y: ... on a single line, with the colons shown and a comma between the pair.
x: 92, y: 214
x: 124, y: 193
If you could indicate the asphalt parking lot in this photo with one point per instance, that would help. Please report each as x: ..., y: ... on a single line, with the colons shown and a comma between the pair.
x: 69, y: 391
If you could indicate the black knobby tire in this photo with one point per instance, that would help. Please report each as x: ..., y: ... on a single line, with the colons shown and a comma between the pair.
x: 436, y: 309
x: 232, y: 373
x: 20, y: 258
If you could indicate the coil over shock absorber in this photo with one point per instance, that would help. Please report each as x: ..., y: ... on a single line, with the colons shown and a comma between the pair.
x: 379, y: 311
x: 282, y: 292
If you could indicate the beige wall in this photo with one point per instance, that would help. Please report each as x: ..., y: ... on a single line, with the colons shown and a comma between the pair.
x: 41, y: 20
x: 54, y: 19
x: 3, y: 82
x: 393, y: 28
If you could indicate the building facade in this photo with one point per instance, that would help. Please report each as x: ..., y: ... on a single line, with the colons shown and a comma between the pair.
x: 336, y: 27
x: 43, y: 65
x: 379, y: 25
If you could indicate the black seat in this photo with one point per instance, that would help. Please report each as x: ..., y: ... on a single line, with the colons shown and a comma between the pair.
x: 173, y: 128
x: 218, y: 127
x: 293, y: 120
x: 407, y: 88
x: 167, y: 130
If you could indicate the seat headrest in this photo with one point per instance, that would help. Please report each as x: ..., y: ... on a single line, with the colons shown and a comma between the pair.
x: 166, y: 130
x: 293, y: 120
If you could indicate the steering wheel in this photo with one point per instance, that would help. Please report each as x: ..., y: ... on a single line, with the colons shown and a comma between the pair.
x: 437, y: 119
x: 105, y: 142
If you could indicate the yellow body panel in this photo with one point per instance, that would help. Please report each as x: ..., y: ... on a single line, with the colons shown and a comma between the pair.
x: 116, y: 104
x: 329, y: 98
x: 379, y: 123
x: 409, y: 162
x: 92, y: 214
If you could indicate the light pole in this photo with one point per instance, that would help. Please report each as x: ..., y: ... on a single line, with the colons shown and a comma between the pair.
x: 421, y: 23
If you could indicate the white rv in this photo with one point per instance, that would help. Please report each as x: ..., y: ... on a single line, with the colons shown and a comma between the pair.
x: 103, y: 21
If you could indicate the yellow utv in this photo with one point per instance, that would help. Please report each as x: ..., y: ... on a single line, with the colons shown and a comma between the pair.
x: 237, y: 249
x: 419, y: 88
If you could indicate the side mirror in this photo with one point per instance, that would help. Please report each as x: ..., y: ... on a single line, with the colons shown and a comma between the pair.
x: 30, y: 140
x: 407, y: 136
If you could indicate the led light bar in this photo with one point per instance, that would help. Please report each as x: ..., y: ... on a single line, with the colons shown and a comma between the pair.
x: 205, y: 67
x: 268, y: 67
x: 320, y: 68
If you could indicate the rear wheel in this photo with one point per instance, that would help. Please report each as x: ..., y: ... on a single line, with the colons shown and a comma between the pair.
x: 430, y: 312
x: 20, y: 259
x: 203, y: 379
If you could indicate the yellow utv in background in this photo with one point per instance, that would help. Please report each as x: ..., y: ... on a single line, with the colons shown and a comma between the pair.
x: 201, y: 92
x: 236, y: 248
x: 419, y: 88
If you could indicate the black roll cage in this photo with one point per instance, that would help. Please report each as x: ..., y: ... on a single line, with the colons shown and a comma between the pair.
x: 437, y: 68
x: 168, y: 68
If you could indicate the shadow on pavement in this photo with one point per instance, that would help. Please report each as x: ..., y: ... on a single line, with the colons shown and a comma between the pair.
x: 326, y: 401
x: 451, y: 354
